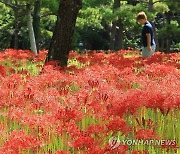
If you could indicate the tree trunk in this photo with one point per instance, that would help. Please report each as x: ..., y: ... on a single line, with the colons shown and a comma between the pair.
x: 168, y: 39
x: 16, y: 27
x: 14, y: 39
x: 150, y: 9
x: 162, y: 40
x: 112, y: 36
x: 162, y: 44
x: 36, y: 22
x: 63, y: 34
x: 51, y: 50
x: 155, y: 36
x: 132, y: 2
x: 119, y: 35
x: 150, y: 5
x: 114, y: 26
x: 31, y: 31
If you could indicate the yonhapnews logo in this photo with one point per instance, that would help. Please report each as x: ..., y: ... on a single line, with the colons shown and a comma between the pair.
x: 115, y: 142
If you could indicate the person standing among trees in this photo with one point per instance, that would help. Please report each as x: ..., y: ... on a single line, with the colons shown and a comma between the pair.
x: 147, y: 36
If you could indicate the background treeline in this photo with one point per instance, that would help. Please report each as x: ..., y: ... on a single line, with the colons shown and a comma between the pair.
x: 101, y: 24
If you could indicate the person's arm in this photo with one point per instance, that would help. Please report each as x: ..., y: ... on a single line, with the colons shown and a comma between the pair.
x: 148, y: 35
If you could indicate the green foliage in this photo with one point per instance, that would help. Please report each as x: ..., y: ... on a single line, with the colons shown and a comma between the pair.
x: 107, y: 14
x: 89, y: 17
x: 95, y: 3
x: 161, y: 7
x: 6, y: 25
x: 172, y: 28
x: 93, y: 26
x: 51, y: 6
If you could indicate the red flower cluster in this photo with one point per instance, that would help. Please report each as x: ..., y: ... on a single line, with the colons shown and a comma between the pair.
x: 79, y: 108
x: 18, y: 141
x: 145, y: 134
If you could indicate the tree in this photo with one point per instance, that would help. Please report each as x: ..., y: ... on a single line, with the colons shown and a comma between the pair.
x: 36, y: 22
x: 151, y: 9
x: 25, y: 7
x: 95, y: 23
x: 63, y: 33
x: 15, y: 7
x: 31, y: 30
x: 115, y: 24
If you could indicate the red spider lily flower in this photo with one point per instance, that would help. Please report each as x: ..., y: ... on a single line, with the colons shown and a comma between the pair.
x: 121, y: 149
x: 82, y: 59
x: 62, y: 152
x: 95, y: 150
x: 83, y: 142
x: 43, y: 99
x: 174, y: 57
x: 54, y: 102
x: 67, y: 114
x: 1, y: 79
x: 17, y: 101
x: 18, y: 54
x: 64, y: 91
x: 82, y: 97
x: 4, y: 95
x: 177, y: 65
x: 2, y: 58
x: 11, y: 71
x: 93, y: 83
x: 10, y: 52
x: 24, y: 72
x: 28, y: 93
x: 72, y: 68
x: 15, y: 113
x: 157, y: 57
x: 117, y: 125
x: 143, y: 134
x: 155, y: 99
x: 173, y: 101
x: 18, y: 140
x: 72, y: 54
x: 70, y: 128
x: 52, y: 63
x: 32, y: 121
x: 3, y: 71
x: 13, y: 81
x: 122, y: 63
x: 158, y: 70
x: 1, y: 128
x: 97, y: 58
x: 117, y: 108
x: 96, y: 108
x: 127, y: 102
x: 42, y: 121
x: 5, y: 150
x: 49, y: 66
x: 103, y: 97
x: 96, y: 129
x: 139, y: 152
x: 41, y: 56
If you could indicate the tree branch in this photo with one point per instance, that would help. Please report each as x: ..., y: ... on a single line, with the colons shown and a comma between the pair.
x: 48, y: 14
x: 9, y: 5
x: 13, y: 6
x: 158, y: 2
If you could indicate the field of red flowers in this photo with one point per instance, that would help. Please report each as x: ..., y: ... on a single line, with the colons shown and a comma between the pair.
x: 46, y: 110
